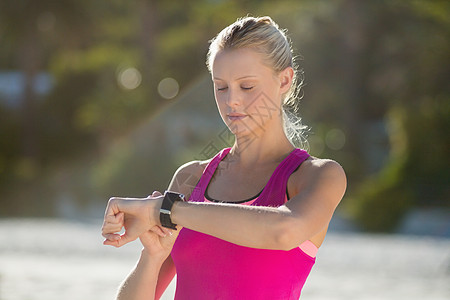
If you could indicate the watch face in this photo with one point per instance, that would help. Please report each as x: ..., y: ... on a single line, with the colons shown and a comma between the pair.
x: 174, y: 196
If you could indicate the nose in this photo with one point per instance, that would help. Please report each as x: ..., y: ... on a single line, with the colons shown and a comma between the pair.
x: 233, y: 98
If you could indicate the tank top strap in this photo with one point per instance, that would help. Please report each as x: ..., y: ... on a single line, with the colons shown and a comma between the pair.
x: 274, y: 193
x: 198, y: 192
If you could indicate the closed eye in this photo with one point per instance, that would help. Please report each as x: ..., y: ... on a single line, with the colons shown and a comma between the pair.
x: 247, y: 88
x: 222, y: 89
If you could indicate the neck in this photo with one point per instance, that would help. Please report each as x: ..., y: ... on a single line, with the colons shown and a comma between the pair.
x: 269, y: 147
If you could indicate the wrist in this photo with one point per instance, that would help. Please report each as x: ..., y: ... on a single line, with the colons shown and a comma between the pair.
x: 155, y: 207
x: 154, y: 259
x: 165, y: 213
x: 176, y: 213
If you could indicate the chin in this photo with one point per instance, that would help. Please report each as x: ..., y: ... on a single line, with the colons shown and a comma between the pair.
x: 242, y: 129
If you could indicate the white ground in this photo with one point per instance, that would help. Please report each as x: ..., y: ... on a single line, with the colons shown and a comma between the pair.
x: 57, y: 259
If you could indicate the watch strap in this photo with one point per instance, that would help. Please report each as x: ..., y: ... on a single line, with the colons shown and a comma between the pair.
x: 166, y: 209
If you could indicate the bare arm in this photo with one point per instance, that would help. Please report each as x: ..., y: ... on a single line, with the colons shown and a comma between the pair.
x: 320, y: 190
x: 141, y: 282
x: 155, y: 268
x: 319, y: 186
x: 165, y: 277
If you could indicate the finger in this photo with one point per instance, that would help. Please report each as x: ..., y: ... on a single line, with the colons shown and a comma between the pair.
x: 111, y: 243
x: 167, y: 231
x: 159, y: 231
x: 112, y: 237
x: 117, y: 218
x: 113, y: 224
x: 111, y: 228
x: 156, y: 194
x: 125, y: 239
x: 117, y: 240
x: 113, y: 206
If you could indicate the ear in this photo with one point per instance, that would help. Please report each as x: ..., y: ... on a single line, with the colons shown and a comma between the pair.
x: 285, y: 78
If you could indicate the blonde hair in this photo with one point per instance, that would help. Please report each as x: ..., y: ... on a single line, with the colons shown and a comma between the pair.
x: 264, y: 36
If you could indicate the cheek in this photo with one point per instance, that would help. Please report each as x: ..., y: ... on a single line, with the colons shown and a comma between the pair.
x: 220, y: 101
x: 263, y: 102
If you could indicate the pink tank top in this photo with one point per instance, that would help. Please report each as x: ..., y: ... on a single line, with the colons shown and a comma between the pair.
x: 211, y: 268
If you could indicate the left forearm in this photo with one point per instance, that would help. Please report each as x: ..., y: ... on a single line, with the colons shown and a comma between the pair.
x: 141, y: 283
x: 250, y: 226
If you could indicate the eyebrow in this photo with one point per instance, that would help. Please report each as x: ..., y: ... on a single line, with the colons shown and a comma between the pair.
x: 243, y: 77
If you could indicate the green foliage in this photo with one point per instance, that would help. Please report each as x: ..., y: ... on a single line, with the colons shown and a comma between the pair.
x: 417, y: 174
x: 130, y: 172
x: 365, y: 62
x: 382, y: 200
x: 427, y: 150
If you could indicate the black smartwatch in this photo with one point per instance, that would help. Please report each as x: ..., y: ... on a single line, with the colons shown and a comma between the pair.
x: 166, y: 208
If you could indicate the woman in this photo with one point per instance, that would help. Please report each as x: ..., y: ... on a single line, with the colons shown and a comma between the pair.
x: 251, y: 226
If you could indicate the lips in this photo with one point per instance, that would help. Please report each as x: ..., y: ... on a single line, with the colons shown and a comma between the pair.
x: 236, y: 116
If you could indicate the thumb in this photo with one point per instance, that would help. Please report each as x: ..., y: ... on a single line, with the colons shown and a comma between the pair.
x: 156, y: 194
x: 124, y: 239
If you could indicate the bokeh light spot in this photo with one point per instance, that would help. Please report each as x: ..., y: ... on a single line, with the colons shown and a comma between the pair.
x: 335, y: 139
x: 168, y: 88
x: 129, y: 78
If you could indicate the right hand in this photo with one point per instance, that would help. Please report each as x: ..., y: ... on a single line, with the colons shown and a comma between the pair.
x: 158, y: 241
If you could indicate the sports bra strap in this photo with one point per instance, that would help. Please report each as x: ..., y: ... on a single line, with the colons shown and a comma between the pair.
x: 273, y: 193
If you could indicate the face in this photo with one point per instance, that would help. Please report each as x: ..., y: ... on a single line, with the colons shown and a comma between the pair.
x: 248, y: 92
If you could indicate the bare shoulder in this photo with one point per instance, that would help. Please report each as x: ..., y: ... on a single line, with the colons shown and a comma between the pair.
x: 187, y: 176
x: 192, y: 167
x: 319, y: 173
x: 323, y: 166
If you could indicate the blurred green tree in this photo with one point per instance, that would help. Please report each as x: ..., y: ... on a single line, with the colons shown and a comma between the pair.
x: 409, y: 73
x: 376, y: 94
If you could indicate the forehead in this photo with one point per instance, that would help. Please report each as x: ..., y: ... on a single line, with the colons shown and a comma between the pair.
x: 236, y: 63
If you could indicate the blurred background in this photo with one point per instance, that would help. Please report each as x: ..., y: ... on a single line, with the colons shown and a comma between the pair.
x: 109, y: 98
